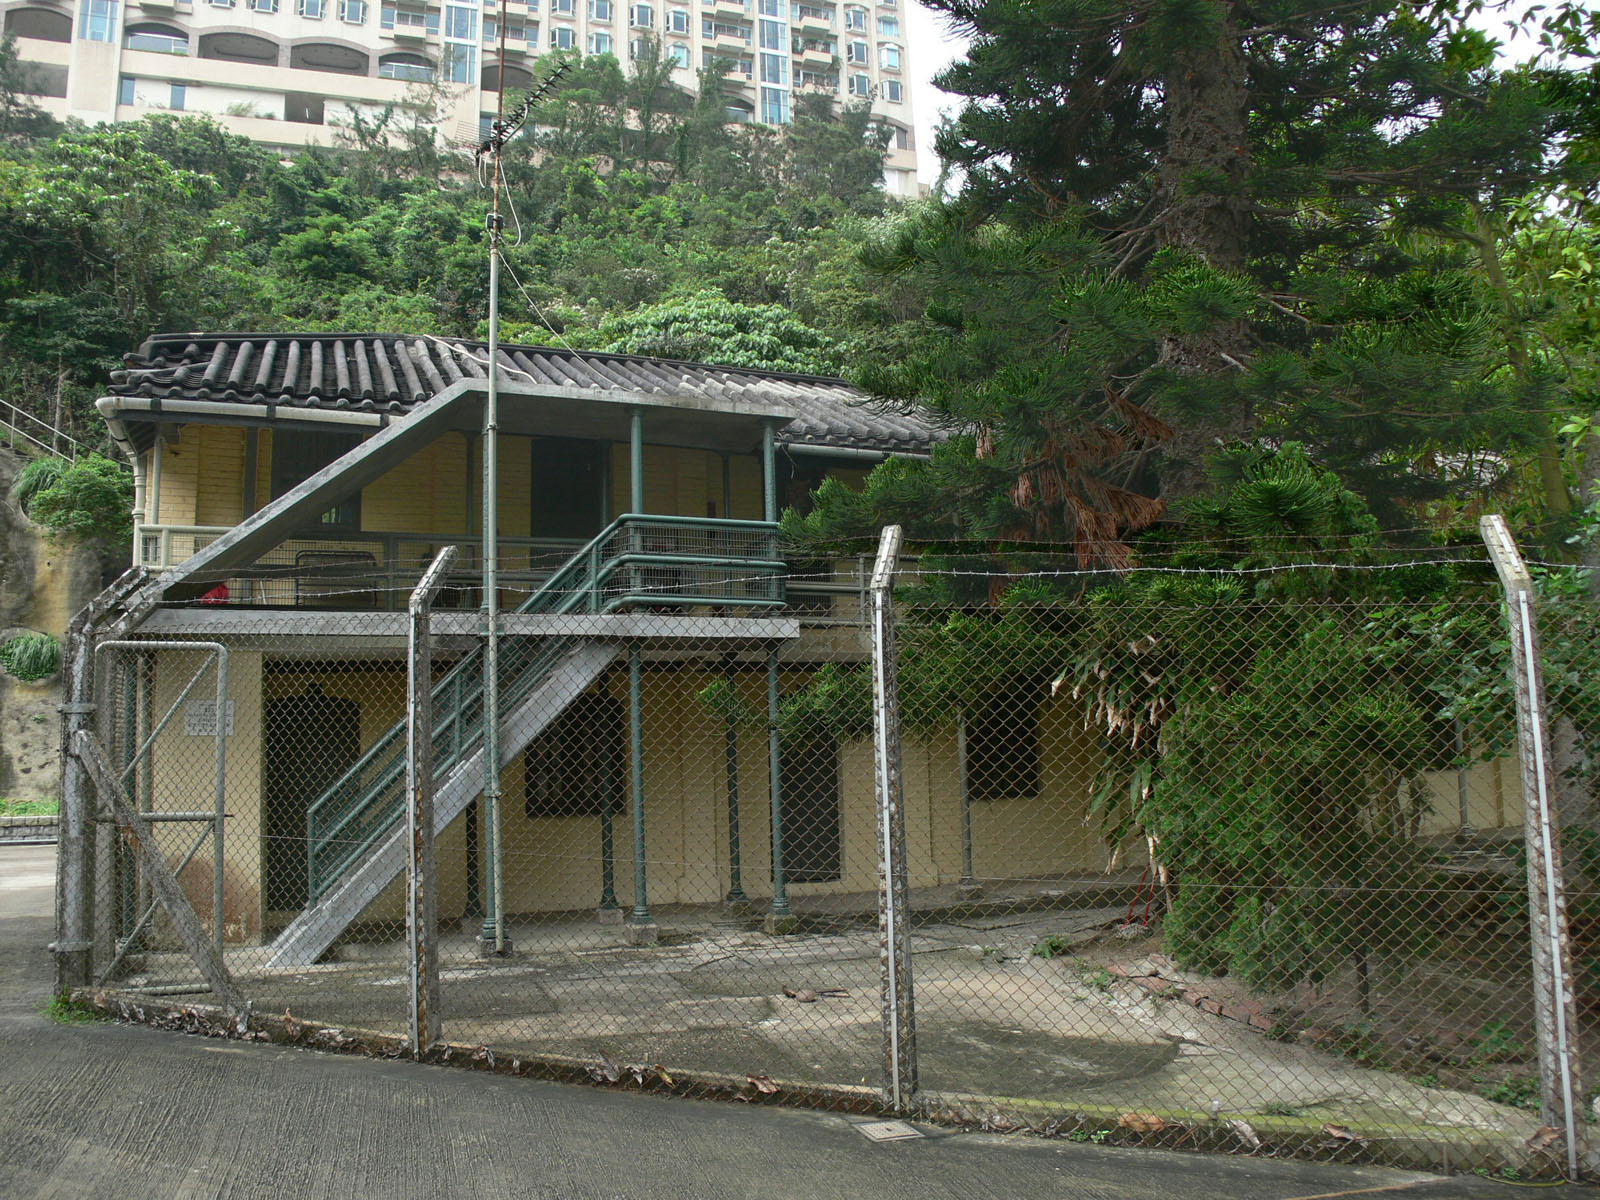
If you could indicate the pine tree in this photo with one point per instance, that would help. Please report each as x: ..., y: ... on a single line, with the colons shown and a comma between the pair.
x: 1184, y: 223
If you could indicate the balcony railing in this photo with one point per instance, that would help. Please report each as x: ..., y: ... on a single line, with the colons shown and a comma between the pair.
x: 650, y: 560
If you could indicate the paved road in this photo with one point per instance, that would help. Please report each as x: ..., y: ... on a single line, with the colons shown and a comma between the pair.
x: 113, y: 1111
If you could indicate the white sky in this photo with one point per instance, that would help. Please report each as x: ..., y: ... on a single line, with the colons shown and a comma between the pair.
x: 932, y: 46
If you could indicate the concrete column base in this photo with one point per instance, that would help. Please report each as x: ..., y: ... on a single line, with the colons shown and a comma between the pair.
x: 969, y: 891
x: 608, y: 916
x: 486, y: 947
x: 739, y: 908
x: 641, y: 933
x: 781, y: 923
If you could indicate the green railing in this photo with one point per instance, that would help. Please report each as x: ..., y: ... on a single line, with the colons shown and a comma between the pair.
x: 637, y: 560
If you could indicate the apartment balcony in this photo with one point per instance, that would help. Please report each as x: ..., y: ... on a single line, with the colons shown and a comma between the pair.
x: 814, y: 26
x: 732, y: 41
x: 735, y: 9
x: 812, y: 59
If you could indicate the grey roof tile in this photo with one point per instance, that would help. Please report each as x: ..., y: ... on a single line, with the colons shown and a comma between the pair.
x: 387, y: 372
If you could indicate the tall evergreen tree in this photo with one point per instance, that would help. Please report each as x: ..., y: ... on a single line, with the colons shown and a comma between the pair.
x: 1189, y: 222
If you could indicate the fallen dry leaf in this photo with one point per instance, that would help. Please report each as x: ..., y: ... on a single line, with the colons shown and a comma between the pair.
x: 1136, y: 1122
x: 1340, y: 1132
x: 763, y: 1084
x: 1543, y: 1136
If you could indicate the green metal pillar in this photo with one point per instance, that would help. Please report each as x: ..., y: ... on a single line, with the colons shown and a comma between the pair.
x: 781, y: 918
x: 636, y: 462
x: 641, y: 903
x: 736, y: 895
x: 640, y: 916
x: 609, y: 806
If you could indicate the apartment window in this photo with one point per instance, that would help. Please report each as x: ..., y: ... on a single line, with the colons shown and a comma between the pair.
x: 770, y: 8
x: 562, y: 38
x: 125, y: 90
x: 601, y: 43
x: 774, y: 69
x: 264, y: 6
x: 461, y: 23
x: 860, y: 85
x: 895, y: 93
x: 353, y: 12
x: 221, y: 3
x: 516, y: 31
x: 1003, y: 748
x: 708, y: 28
x: 599, y: 10
x: 856, y: 52
x: 298, y: 456
x: 642, y: 16
x: 311, y: 9
x: 678, y: 54
x: 772, y: 35
x: 889, y: 27
x: 97, y: 21
x: 179, y: 93
x: 157, y: 39
x: 460, y: 64
x: 563, y: 8
x: 889, y: 58
x: 902, y: 137
x: 774, y: 106
x: 410, y: 67
x: 678, y: 20
x: 409, y: 20
x: 855, y: 20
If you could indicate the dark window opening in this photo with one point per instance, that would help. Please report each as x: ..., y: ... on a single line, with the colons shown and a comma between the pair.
x: 813, y: 835
x: 568, y: 497
x: 297, y: 456
x: 1003, y: 746
x: 574, y: 768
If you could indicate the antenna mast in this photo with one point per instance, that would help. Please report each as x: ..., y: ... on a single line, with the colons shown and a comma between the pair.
x: 492, y: 937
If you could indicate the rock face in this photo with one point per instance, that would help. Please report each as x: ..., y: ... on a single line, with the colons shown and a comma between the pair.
x: 42, y: 584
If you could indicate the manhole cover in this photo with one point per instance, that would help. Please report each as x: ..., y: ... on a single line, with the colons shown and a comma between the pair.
x: 886, y: 1131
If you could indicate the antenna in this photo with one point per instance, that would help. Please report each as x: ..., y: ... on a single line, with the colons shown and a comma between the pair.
x: 504, y: 128
x: 492, y: 938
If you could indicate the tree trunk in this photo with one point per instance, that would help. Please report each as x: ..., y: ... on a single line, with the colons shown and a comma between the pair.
x: 1202, y: 211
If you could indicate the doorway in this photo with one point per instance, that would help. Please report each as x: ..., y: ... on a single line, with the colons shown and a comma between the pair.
x: 812, y: 840
x: 309, y: 740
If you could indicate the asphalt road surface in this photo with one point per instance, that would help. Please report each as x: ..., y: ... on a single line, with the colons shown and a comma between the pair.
x: 113, y: 1111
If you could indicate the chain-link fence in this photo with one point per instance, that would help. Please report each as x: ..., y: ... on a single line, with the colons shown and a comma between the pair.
x: 1174, y: 858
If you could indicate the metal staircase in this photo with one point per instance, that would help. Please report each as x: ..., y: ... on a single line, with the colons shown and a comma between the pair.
x: 355, y: 836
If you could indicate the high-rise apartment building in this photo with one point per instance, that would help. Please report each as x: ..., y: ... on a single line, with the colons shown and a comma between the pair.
x: 287, y: 72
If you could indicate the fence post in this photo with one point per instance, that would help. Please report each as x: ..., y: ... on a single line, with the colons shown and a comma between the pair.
x: 894, y: 935
x: 1555, y: 1014
x: 73, y: 906
x: 422, y: 877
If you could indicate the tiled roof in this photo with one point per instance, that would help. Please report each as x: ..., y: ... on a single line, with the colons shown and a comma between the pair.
x: 391, y: 373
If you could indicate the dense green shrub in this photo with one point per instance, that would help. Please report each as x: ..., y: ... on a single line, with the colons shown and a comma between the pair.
x: 31, y: 656
x: 91, y: 498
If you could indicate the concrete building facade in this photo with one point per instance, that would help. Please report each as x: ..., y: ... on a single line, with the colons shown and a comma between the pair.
x: 290, y: 72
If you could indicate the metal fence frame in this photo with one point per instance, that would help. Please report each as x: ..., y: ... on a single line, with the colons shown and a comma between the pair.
x: 93, y: 793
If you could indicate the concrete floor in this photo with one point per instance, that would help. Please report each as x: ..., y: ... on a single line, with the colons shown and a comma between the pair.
x: 106, y: 1110
x: 999, y: 1029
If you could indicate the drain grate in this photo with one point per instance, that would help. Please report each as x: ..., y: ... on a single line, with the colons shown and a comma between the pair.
x: 886, y: 1131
